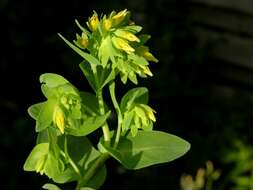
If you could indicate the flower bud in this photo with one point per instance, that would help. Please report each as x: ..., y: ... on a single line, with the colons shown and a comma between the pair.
x: 127, y: 35
x: 40, y: 165
x: 107, y: 23
x: 93, y: 22
x: 122, y: 44
x: 146, y: 70
x: 149, y: 111
x: 144, y: 52
x: 58, y: 119
x: 119, y: 17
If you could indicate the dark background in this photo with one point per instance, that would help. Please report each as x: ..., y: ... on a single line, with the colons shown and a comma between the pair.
x: 198, y: 95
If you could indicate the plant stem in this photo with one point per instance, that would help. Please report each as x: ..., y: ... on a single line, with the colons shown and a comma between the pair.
x: 117, y: 108
x: 105, y: 127
x: 92, y: 170
x: 209, y: 183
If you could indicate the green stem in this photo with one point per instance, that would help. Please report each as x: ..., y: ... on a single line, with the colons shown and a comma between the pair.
x: 117, y: 108
x: 92, y: 170
x: 105, y: 127
x: 209, y: 183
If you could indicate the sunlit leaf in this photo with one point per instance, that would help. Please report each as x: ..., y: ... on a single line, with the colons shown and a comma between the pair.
x: 148, y: 148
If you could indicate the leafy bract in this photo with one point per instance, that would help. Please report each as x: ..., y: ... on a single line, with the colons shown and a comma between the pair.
x: 89, y: 125
x: 134, y: 96
x: 81, y: 151
x: 91, y: 59
x: 148, y: 148
x: 45, y: 115
x: 97, y: 75
x: 35, y: 109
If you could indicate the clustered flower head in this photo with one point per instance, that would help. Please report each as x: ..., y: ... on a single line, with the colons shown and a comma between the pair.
x: 114, y: 40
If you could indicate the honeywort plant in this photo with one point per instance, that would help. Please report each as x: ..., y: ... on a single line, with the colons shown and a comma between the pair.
x: 110, y: 47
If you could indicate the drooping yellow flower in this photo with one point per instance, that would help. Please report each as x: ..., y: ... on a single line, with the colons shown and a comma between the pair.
x: 93, y: 22
x: 40, y: 165
x: 119, y: 17
x: 58, y: 119
x: 149, y: 111
x: 146, y: 70
x: 127, y: 35
x: 144, y: 52
x: 122, y: 44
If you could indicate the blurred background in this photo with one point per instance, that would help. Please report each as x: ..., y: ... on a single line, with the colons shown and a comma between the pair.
x: 202, y: 87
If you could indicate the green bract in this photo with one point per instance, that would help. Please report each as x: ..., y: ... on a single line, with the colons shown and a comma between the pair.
x: 111, y: 46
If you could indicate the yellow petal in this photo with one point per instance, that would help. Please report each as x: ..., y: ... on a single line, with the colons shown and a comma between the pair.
x: 122, y: 44
x: 107, y: 24
x: 93, y: 22
x: 127, y: 35
x: 144, y: 52
x: 58, y: 119
x: 146, y: 70
x: 119, y: 17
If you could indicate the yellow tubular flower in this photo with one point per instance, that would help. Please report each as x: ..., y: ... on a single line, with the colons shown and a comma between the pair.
x: 149, y: 111
x: 119, y: 17
x: 107, y: 24
x: 146, y: 70
x: 58, y: 119
x: 122, y: 44
x: 144, y: 52
x: 93, y: 22
x: 127, y: 35
x: 40, y: 165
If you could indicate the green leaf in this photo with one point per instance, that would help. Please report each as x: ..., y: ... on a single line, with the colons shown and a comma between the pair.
x: 35, y: 109
x: 89, y: 125
x: 87, y: 71
x: 52, y: 80
x: 50, y: 186
x: 148, y: 148
x: 54, y: 85
x: 42, y: 137
x: 45, y: 116
x: 104, y: 52
x: 86, y: 56
x: 134, y: 96
x: 90, y: 103
x: 87, y: 188
x: 38, y: 153
x: 84, y: 154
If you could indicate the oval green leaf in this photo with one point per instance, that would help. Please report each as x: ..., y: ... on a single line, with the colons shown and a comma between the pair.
x: 148, y: 148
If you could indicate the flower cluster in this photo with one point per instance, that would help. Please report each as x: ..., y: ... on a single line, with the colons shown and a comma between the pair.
x: 113, y: 40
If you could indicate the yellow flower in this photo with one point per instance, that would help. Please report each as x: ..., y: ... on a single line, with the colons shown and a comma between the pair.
x: 40, y: 165
x: 127, y: 35
x: 93, y: 22
x: 149, y: 111
x: 144, y: 52
x: 107, y: 24
x: 58, y: 119
x: 122, y: 44
x: 146, y: 70
x: 119, y: 17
